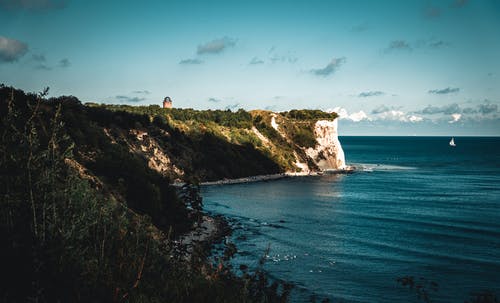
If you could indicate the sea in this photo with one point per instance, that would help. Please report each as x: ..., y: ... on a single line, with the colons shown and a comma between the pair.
x: 415, y: 207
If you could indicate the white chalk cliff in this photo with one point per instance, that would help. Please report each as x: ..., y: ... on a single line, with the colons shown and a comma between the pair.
x: 328, y: 153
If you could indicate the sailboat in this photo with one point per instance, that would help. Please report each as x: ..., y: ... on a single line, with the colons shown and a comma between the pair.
x: 452, y: 142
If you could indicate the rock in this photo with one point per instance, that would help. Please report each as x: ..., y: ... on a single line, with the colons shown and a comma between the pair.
x: 328, y: 153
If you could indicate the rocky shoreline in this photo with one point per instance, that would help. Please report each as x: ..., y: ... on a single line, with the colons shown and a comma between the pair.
x: 260, y: 178
x: 212, y: 229
x: 209, y: 231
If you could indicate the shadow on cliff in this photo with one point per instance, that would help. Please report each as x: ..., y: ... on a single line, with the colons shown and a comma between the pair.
x: 202, y: 156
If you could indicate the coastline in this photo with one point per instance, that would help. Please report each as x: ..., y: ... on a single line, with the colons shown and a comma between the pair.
x: 211, y: 230
x: 261, y: 178
x: 258, y: 178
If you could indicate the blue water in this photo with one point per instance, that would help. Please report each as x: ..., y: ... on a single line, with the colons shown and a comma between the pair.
x: 419, y: 207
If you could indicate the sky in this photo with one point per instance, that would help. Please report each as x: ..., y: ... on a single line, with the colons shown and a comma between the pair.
x: 414, y: 67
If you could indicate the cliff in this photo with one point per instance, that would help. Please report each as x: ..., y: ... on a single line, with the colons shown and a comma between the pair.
x: 186, y: 144
x: 199, y: 145
x: 328, y: 153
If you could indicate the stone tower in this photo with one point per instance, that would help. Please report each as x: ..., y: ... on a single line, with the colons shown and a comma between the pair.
x: 167, y: 102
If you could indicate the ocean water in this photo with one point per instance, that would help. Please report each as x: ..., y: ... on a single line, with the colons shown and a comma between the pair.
x: 417, y: 207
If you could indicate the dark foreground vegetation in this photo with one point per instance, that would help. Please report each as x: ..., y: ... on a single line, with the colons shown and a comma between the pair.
x: 82, y: 219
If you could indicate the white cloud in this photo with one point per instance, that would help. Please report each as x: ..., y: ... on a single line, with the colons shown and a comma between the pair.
x: 393, y: 115
x: 414, y: 118
x: 358, y: 116
x: 355, y: 117
x: 342, y: 112
x: 330, y: 68
x: 11, y: 50
x: 216, y: 46
x: 387, y: 115
x: 455, y: 118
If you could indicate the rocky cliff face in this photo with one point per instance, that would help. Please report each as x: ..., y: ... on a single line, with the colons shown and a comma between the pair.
x: 314, y: 143
x: 328, y: 153
x: 192, y: 145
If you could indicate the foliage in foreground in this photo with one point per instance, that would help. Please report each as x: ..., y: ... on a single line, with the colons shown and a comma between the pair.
x: 64, y: 241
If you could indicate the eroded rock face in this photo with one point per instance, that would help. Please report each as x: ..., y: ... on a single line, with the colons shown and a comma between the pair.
x: 157, y: 158
x: 328, y: 153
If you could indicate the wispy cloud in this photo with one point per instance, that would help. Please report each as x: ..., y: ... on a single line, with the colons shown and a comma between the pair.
x: 487, y: 108
x: 398, y: 45
x: 256, y: 61
x: 190, y: 62
x: 40, y: 62
x: 33, y: 4
x: 273, y: 108
x: 214, y: 100
x: 371, y: 94
x: 484, y: 110
x: 141, y: 92
x: 459, y: 3
x: 11, y: 50
x: 233, y: 107
x: 64, y: 63
x: 444, y: 91
x: 39, y: 58
x: 383, y: 108
x: 281, y: 57
x: 43, y: 66
x: 404, y: 45
x: 438, y: 44
x: 216, y: 46
x: 447, y: 114
x: 363, y: 27
x: 445, y: 109
x: 432, y: 12
x: 330, y: 68
x: 129, y: 99
x: 431, y: 43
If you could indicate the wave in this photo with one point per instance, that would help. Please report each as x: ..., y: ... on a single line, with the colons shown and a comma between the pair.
x: 368, y: 167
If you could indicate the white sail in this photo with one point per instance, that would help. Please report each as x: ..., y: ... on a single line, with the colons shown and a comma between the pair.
x: 452, y: 142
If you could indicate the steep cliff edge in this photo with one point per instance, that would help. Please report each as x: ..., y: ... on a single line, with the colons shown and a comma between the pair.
x: 328, y: 153
x: 187, y: 144
x: 312, y: 136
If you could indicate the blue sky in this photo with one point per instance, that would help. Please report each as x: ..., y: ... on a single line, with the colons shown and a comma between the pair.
x: 388, y: 67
